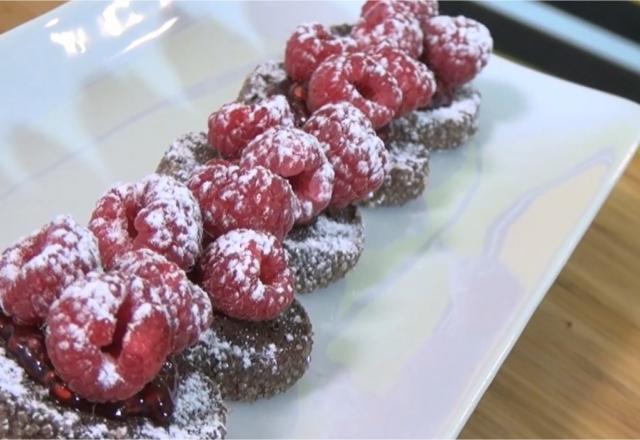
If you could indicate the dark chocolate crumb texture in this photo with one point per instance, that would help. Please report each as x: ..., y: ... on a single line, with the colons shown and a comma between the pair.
x: 251, y: 360
x: 28, y: 411
x: 324, y: 251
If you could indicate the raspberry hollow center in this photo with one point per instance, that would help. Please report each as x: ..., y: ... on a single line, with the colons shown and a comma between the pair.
x: 365, y: 90
x: 123, y: 317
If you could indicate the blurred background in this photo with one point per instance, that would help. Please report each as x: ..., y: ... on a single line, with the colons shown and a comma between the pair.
x: 575, y: 371
x: 593, y: 43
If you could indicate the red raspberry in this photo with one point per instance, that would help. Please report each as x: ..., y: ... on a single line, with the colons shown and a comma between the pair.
x: 233, y: 126
x: 157, y: 212
x: 420, y: 9
x: 188, y: 305
x: 357, y: 154
x: 360, y: 80
x: 456, y: 49
x: 414, y: 78
x: 37, y: 268
x: 298, y: 157
x: 246, y: 274
x: 231, y: 197
x: 384, y: 23
x: 107, y: 337
x: 311, y: 44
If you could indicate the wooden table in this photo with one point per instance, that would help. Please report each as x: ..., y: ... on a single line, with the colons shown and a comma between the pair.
x: 575, y: 372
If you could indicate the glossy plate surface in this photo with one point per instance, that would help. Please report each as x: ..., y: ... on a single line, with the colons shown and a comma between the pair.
x: 93, y: 93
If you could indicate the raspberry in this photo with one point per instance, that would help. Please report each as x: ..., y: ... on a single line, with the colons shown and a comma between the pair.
x: 246, y: 274
x: 107, y: 336
x: 298, y: 157
x: 233, y: 126
x: 157, y: 212
x: 456, y: 49
x: 231, y: 197
x: 309, y: 45
x: 360, y: 80
x: 357, y: 154
x: 385, y: 23
x: 37, y: 268
x: 414, y: 78
x: 187, y: 304
x: 420, y: 9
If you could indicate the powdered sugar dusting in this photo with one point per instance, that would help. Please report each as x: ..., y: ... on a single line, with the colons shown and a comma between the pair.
x: 329, y: 236
x: 309, y: 45
x: 442, y: 127
x: 235, y: 123
x: 186, y: 155
x: 462, y: 38
x: 96, y: 296
x: 233, y: 197
x: 393, y: 27
x: 17, y: 390
x: 164, y: 213
x: 297, y: 156
x: 108, y: 376
x: 47, y: 260
x: 408, y: 156
x: 325, y: 250
x: 233, y: 271
x: 198, y: 413
x: 262, y: 82
x: 343, y: 77
x: 354, y: 150
x: 465, y: 106
x: 222, y: 350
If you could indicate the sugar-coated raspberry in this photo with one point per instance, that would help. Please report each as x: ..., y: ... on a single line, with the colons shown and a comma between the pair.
x: 359, y: 79
x: 298, y: 157
x: 421, y: 9
x: 188, y: 305
x: 246, y: 274
x: 357, y: 154
x: 309, y: 45
x: 456, y: 49
x: 414, y: 78
x: 107, y: 336
x: 233, y: 126
x: 156, y: 212
x: 232, y: 197
x: 35, y: 270
x: 383, y: 22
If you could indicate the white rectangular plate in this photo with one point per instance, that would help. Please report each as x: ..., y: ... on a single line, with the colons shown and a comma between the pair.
x: 94, y: 92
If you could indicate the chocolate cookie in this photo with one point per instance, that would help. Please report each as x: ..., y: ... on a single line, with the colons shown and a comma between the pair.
x: 267, y: 79
x: 185, y: 155
x: 440, y: 128
x: 407, y: 176
x: 410, y: 138
x: 319, y: 253
x: 251, y: 360
x: 27, y: 411
x: 325, y: 250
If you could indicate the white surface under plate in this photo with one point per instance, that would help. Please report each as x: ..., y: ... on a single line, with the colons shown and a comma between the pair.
x: 94, y: 92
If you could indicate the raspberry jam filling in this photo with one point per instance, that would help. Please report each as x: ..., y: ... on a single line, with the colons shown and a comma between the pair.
x: 296, y: 95
x: 155, y: 401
